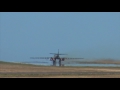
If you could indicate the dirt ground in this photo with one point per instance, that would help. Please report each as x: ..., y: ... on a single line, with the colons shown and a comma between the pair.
x: 13, y: 70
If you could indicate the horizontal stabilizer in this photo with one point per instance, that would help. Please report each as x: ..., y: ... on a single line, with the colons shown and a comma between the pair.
x: 53, y: 53
x: 58, y: 54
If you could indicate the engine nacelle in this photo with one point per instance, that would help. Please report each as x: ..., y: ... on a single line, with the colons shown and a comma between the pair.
x: 52, y: 59
x: 62, y: 59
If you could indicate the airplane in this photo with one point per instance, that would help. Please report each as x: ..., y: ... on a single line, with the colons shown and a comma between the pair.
x: 56, y: 56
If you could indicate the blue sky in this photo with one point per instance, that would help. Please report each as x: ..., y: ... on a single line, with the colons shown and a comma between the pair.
x: 91, y: 35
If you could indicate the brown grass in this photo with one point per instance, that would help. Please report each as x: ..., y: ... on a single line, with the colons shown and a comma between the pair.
x: 23, y: 70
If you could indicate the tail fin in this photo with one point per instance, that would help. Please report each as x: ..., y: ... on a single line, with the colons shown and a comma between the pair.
x: 58, y: 53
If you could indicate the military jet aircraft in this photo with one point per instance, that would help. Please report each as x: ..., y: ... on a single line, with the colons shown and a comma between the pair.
x: 55, y: 57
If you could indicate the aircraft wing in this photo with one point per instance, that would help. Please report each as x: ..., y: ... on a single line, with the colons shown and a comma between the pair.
x: 74, y: 58
x: 50, y: 57
x: 40, y: 57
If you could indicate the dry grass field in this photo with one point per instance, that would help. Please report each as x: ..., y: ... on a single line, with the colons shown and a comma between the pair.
x: 14, y: 70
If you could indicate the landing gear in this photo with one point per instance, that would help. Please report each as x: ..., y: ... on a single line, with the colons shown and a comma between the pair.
x: 59, y: 62
x: 54, y: 62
